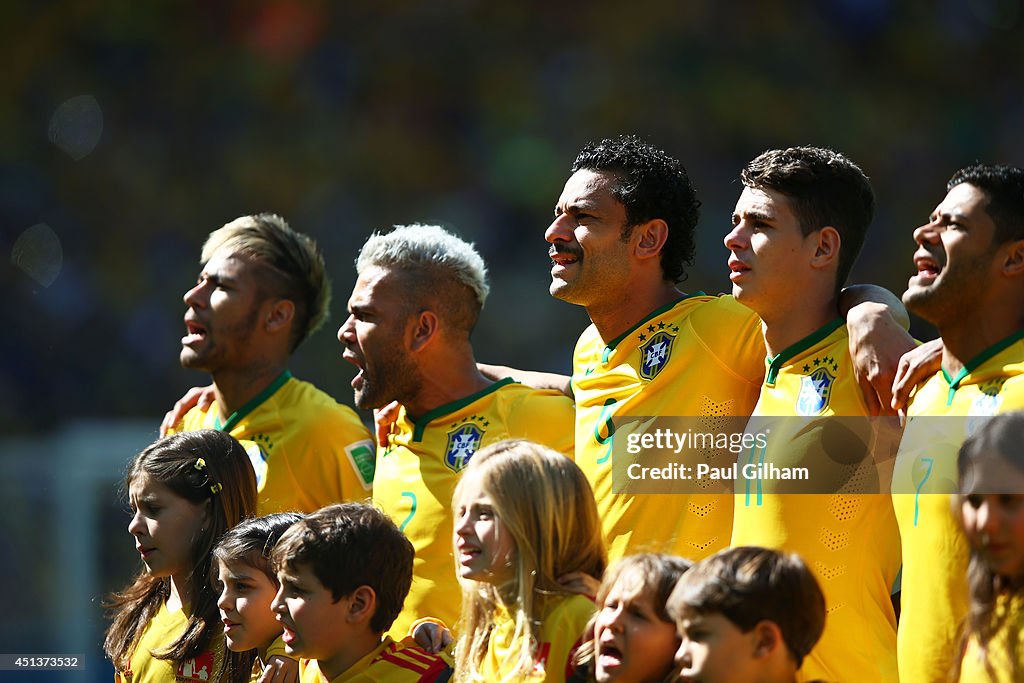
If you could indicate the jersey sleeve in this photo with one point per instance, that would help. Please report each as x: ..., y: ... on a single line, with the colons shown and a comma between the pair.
x: 336, y: 463
x: 731, y: 334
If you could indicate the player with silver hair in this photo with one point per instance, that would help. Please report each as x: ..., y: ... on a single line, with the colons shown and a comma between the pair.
x: 418, y: 295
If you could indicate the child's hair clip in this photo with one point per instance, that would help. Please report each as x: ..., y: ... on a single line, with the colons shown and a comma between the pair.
x: 200, y: 464
x: 216, y: 488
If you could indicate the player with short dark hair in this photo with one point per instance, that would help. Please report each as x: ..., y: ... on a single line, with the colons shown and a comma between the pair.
x: 622, y: 235
x: 970, y: 285
x: 800, y: 212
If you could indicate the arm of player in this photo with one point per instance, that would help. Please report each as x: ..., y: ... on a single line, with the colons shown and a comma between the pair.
x: 531, y: 378
x: 915, y: 366
x: 877, y: 322
x: 196, y: 396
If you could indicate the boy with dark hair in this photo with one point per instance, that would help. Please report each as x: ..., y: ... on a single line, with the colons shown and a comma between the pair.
x: 345, y: 571
x: 746, y: 614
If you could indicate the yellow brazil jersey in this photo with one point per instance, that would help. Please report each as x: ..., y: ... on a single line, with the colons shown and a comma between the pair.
x: 419, y: 465
x: 698, y: 357
x: 837, y: 519
x: 943, y: 412
x: 561, y: 630
x: 1002, y: 660
x: 391, y: 662
x: 162, y: 631
x: 308, y: 450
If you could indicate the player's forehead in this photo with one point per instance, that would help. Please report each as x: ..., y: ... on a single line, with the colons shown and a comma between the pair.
x: 586, y: 187
x: 228, y: 263
x: 762, y: 203
x: 963, y: 201
x: 376, y: 285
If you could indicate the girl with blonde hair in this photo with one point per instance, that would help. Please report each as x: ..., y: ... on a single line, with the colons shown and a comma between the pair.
x: 524, y: 517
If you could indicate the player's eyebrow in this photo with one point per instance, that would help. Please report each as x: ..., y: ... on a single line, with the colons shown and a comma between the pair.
x: 217, y: 278
x: 754, y: 214
x: 950, y: 216
x: 578, y: 206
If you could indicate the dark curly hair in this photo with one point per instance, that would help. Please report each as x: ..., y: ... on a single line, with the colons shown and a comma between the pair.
x: 651, y: 184
x: 1004, y: 186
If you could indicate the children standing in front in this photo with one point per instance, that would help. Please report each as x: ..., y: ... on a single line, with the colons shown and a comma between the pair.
x: 991, y: 468
x: 185, y: 491
x: 746, y: 615
x: 248, y: 586
x: 344, y: 573
x: 634, y: 639
x: 524, y: 516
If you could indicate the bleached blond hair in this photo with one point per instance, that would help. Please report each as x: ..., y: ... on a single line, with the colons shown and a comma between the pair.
x: 435, y: 265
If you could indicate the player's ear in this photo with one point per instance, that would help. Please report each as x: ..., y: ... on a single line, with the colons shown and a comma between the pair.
x: 1013, y: 265
x: 278, y: 315
x: 650, y: 238
x: 826, y: 250
x: 362, y: 605
x: 424, y: 329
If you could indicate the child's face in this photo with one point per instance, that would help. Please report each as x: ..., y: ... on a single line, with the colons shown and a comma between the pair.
x: 632, y: 643
x: 165, y: 527
x: 245, y: 597
x: 714, y: 650
x: 314, y: 623
x: 484, y: 548
x: 994, y: 521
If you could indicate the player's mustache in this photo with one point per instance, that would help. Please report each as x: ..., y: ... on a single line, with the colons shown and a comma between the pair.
x: 575, y: 252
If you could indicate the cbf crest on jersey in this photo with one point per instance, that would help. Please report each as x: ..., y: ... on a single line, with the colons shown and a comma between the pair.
x: 655, y: 353
x: 815, y: 392
x: 258, y: 459
x: 463, y: 442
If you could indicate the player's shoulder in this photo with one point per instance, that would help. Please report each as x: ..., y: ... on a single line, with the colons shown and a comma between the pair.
x: 518, y: 405
x: 307, y: 397
x: 719, y: 310
x: 515, y: 395
x: 198, y: 418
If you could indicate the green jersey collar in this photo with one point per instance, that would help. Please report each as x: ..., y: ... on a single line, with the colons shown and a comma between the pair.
x: 977, y: 361
x: 610, y: 346
x: 420, y: 425
x: 240, y: 414
x: 782, y: 357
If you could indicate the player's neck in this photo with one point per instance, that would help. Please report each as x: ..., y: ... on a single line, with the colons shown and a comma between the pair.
x: 234, y: 388
x: 786, y: 327
x: 613, y: 319
x: 968, y: 338
x: 444, y: 380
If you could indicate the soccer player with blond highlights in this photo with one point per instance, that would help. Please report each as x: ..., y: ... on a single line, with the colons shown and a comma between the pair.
x: 263, y: 290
